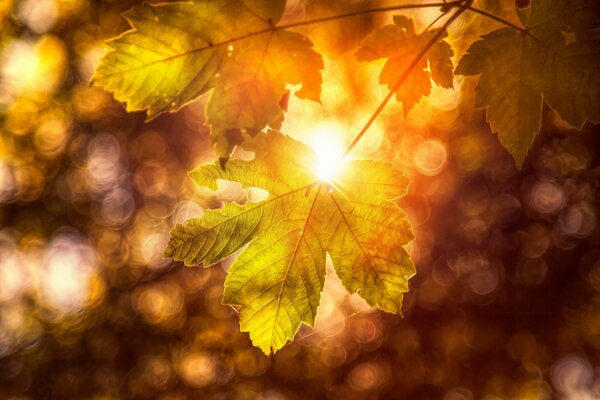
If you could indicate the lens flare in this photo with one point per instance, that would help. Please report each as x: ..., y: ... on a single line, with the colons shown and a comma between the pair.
x: 327, y: 139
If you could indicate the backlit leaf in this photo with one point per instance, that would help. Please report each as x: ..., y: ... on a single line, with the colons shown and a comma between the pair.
x: 178, y: 51
x: 557, y: 62
x: 400, y: 44
x: 277, y: 279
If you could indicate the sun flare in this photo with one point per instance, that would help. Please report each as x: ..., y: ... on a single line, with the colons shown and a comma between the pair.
x: 327, y: 139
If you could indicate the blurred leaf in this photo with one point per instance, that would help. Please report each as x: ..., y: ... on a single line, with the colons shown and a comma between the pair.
x: 558, y: 60
x: 277, y: 280
x: 178, y: 51
x: 400, y: 44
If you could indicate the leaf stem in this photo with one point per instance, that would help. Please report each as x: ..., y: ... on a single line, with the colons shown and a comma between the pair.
x: 450, y: 4
x: 444, y: 6
x: 432, y: 23
x: 498, y: 19
x: 463, y: 7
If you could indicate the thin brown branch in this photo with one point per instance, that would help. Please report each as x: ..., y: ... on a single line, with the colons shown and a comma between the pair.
x: 432, y: 23
x: 227, y: 42
x: 321, y: 329
x: 447, y: 5
x: 509, y: 24
x: 498, y: 19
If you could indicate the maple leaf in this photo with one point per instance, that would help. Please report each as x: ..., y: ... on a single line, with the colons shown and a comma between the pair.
x: 277, y: 279
x: 400, y: 44
x: 556, y: 59
x: 178, y: 51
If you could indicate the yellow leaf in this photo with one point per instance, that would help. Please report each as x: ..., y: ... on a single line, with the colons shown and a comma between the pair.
x: 278, y: 278
x: 179, y: 51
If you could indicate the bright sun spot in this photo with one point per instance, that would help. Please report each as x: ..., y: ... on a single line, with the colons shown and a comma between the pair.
x: 327, y: 139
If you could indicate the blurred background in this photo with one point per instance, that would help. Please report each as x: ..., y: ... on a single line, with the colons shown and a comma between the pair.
x: 505, y: 304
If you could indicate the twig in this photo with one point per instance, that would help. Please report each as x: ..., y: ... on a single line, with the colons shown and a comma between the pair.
x: 498, y: 19
x: 432, y: 23
x: 509, y: 24
x: 445, y: 5
x: 322, y: 329
x: 227, y: 42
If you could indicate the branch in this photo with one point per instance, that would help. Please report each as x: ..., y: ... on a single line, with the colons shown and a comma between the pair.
x: 445, y: 5
x: 498, y: 19
x: 227, y: 42
x: 464, y: 6
x: 432, y: 23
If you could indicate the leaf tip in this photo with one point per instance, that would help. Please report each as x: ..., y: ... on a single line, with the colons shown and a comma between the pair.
x: 168, y: 251
x: 519, y: 160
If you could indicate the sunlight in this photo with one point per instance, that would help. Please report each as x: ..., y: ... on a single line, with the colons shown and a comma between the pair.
x: 327, y: 139
x: 32, y: 66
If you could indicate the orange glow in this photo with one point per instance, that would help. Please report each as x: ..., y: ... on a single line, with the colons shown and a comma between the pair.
x: 90, y: 308
x: 327, y: 139
x: 430, y: 157
x: 32, y: 66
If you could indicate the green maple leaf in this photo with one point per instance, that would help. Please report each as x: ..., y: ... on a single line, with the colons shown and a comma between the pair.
x: 178, y: 51
x: 557, y: 62
x: 277, y: 279
x: 400, y: 44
